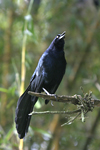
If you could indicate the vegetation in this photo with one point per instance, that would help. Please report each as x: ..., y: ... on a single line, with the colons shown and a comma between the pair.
x: 28, y: 27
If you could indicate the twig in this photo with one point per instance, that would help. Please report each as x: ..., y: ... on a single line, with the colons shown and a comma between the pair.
x: 55, y: 112
x: 86, y: 104
x: 71, y: 120
x: 63, y: 98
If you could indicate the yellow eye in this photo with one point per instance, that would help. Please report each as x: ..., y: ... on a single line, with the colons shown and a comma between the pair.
x: 57, y: 36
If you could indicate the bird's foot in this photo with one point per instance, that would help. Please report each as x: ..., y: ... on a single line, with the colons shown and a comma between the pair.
x: 50, y: 95
x: 55, y: 96
x: 46, y: 91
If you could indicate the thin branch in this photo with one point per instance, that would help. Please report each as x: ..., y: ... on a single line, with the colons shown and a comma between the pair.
x: 55, y: 112
x: 64, y: 99
x: 71, y: 120
x: 86, y: 104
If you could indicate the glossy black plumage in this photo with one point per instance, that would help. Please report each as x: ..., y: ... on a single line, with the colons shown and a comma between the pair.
x: 48, y: 74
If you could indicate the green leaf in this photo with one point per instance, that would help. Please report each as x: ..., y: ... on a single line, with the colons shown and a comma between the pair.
x: 3, y: 90
x: 7, y: 136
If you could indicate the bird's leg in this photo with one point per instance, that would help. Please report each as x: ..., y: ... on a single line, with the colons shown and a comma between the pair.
x: 50, y: 95
x: 46, y: 91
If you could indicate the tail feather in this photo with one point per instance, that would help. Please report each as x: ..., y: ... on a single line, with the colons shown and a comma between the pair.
x: 24, y: 107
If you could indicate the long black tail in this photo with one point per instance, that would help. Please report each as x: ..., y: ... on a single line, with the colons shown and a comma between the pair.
x: 24, y: 107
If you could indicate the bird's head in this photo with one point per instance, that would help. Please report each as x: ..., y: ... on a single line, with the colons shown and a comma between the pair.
x: 59, y: 40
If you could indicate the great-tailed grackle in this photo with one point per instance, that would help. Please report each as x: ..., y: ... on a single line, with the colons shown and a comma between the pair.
x: 48, y: 75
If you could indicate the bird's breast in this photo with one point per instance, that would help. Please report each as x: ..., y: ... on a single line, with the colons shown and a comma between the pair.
x: 54, y: 70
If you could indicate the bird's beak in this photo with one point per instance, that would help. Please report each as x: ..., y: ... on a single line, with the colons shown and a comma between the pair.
x: 62, y: 35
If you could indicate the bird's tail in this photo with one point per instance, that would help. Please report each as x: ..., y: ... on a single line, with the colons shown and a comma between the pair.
x: 24, y: 108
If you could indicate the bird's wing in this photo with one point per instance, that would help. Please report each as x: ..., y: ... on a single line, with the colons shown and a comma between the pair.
x: 37, y: 79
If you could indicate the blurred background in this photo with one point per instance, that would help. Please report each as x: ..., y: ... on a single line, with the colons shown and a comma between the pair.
x: 29, y: 26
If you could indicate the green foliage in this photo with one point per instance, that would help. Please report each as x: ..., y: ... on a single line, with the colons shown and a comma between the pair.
x: 10, y: 91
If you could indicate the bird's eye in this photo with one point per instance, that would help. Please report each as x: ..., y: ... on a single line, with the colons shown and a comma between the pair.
x: 58, y: 36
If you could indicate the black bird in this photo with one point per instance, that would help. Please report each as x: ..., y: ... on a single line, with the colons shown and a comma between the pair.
x: 48, y: 75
